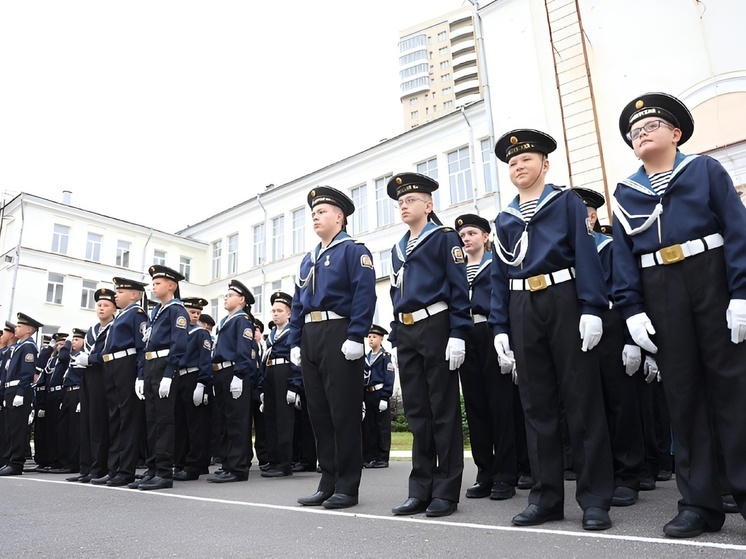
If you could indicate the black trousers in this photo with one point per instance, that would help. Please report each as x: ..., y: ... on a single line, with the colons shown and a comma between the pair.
x: 621, y: 404
x: 257, y: 426
x: 488, y: 399
x: 16, y: 428
x: 235, y: 448
x: 52, y: 413
x: 335, y: 404
x: 279, y: 417
x: 304, y: 442
x: 159, y: 418
x: 68, y: 430
x: 551, y: 367
x: 42, y: 455
x: 430, y: 392
x: 3, y: 438
x: 126, y: 416
x: 704, y: 378
x: 376, y: 428
x: 192, y: 429
x: 94, y: 423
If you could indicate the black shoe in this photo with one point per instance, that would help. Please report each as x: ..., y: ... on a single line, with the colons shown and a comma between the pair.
x: 340, y: 501
x: 729, y: 504
x: 75, y: 478
x: 227, y: 477
x: 10, y: 471
x: 156, y: 483
x: 441, y: 507
x: 60, y: 471
x: 276, y: 472
x: 100, y: 480
x: 120, y: 480
x: 315, y: 500
x: 369, y: 464
x: 533, y: 515
x: 623, y: 496
x: 664, y: 475
x: 86, y: 478
x: 479, y: 490
x: 413, y: 505
x: 501, y: 490
x: 596, y: 518
x: 647, y: 484
x: 264, y: 467
x: 183, y: 475
x: 525, y: 482
x: 380, y: 464
x: 303, y: 468
x: 686, y: 524
x: 136, y: 484
x: 570, y: 475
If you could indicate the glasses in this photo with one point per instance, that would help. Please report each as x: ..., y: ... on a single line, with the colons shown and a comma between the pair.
x: 408, y: 201
x: 649, y: 127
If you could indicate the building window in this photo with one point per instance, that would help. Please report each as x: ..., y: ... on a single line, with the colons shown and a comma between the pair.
x: 445, y: 77
x: 217, y: 253
x: 413, y: 101
x: 446, y: 91
x: 159, y: 257
x: 86, y: 297
x: 447, y: 105
x: 185, y: 267
x: 59, y: 238
x: 299, y: 238
x: 443, y: 51
x: 278, y: 238
x: 359, y: 220
x: 54, y: 288
x: 259, y: 248
x: 445, y: 64
x: 233, y: 254
x: 413, y: 115
x: 277, y: 285
x: 429, y: 168
x: 384, y: 266
x: 488, y: 160
x: 258, y: 302
x: 93, y: 247
x: 385, y: 210
x: 427, y: 111
x: 214, y: 310
x: 123, y: 253
x: 441, y: 36
x: 459, y: 175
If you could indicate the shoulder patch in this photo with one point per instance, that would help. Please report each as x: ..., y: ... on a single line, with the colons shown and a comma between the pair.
x: 366, y: 262
x: 143, y: 326
x: 253, y: 354
x: 207, y: 345
x: 181, y: 322
x: 458, y: 255
x: 30, y: 358
x: 390, y: 366
x: 248, y: 333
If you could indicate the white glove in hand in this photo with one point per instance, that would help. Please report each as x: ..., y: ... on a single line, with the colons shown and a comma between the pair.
x: 77, y: 409
x: 353, y: 350
x: 394, y: 357
x: 41, y: 414
x: 591, y: 330
x: 650, y: 369
x: 455, y: 353
x: 736, y: 318
x: 297, y: 402
x: 164, y: 388
x: 17, y: 401
x: 236, y: 387
x: 140, y: 388
x: 363, y: 412
x: 290, y: 397
x: 198, y: 395
x: 640, y: 328
x: 31, y: 417
x: 504, y: 354
x: 295, y: 356
x: 632, y: 358
x: 383, y: 405
x: 80, y: 360
x: 514, y: 373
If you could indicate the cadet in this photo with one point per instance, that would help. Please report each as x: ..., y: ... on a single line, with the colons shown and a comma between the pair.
x: 7, y: 340
x: 282, y: 384
x: 68, y: 430
x: 378, y: 386
x: 166, y: 343
x: 234, y: 365
x: 430, y: 295
x: 680, y: 233
x: 94, y: 407
x: 192, y: 414
x: 123, y: 357
x: 56, y: 369
x: 333, y: 308
x: 257, y: 422
x: 18, y: 378
x: 488, y: 395
x: 548, y: 294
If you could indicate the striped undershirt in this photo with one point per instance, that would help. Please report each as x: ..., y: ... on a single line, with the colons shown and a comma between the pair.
x: 471, y: 272
x: 528, y: 209
x: 410, y: 244
x: 659, y: 181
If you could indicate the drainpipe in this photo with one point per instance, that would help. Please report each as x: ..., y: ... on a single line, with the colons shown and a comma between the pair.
x: 472, y: 165
x: 18, y: 259
x: 144, y: 252
x: 264, y: 276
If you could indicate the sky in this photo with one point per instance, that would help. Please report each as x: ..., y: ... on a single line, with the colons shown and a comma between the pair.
x: 190, y: 107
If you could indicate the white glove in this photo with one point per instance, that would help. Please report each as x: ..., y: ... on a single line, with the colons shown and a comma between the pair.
x: 17, y: 401
x: 41, y: 413
x: 363, y: 412
x: 514, y: 372
x: 80, y: 360
x: 591, y: 329
x: 394, y: 357
x: 736, y: 318
x: 164, y: 388
x: 631, y: 357
x: 236, y: 387
x: 290, y: 398
x: 640, y: 328
x: 455, y: 353
x: 295, y: 356
x: 353, y: 350
x: 77, y: 409
x: 198, y: 396
x: 650, y: 369
x: 504, y: 355
x: 297, y: 402
x: 383, y: 405
x: 140, y: 388
x: 31, y: 417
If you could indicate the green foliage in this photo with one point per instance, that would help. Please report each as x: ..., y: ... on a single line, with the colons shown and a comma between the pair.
x: 399, y: 423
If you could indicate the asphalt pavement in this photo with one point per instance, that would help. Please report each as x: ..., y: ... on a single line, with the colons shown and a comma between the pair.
x: 41, y: 515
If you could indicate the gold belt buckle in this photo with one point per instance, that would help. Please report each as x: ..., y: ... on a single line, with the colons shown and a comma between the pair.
x: 407, y: 318
x: 107, y: 358
x: 316, y: 316
x: 216, y: 367
x: 672, y: 254
x: 537, y: 283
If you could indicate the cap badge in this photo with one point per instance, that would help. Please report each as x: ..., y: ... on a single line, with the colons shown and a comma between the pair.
x: 513, y: 140
x: 399, y: 181
x: 313, y: 194
x: 460, y: 222
x: 640, y: 104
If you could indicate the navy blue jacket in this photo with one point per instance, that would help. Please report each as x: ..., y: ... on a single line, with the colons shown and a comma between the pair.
x: 74, y: 375
x: 22, y: 366
x: 199, y: 354
x: 127, y: 331
x: 480, y: 289
x: 168, y: 330
x: 60, y: 364
x: 235, y: 342
x: 279, y: 348
x: 379, y: 369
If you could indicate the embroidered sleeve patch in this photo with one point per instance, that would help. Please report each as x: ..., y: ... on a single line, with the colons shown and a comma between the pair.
x: 366, y: 262
x: 390, y: 366
x: 29, y: 358
x: 207, y: 345
x: 253, y: 354
x: 248, y: 333
x: 143, y: 327
x: 181, y: 322
x: 458, y: 255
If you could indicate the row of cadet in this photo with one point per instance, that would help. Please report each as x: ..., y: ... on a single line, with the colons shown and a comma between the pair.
x: 560, y: 310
